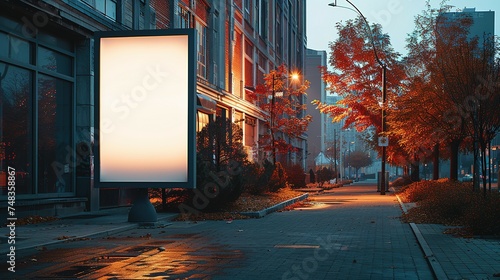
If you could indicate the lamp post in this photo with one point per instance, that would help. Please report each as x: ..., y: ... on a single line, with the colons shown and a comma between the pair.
x: 382, y: 143
x: 496, y: 148
x: 293, y: 77
x: 272, y: 121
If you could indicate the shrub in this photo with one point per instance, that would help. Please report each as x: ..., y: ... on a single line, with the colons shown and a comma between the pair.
x: 312, y: 176
x: 296, y: 176
x: 401, y: 182
x: 329, y: 186
x: 324, y: 175
x: 423, y: 190
x: 312, y: 185
x: 483, y: 214
x: 257, y: 178
x: 278, y: 179
x: 219, y: 149
x: 448, y: 201
x: 453, y: 203
x: 254, y: 179
x: 267, y: 173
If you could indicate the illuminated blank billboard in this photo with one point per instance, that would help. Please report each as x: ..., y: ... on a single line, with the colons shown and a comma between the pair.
x: 145, y: 108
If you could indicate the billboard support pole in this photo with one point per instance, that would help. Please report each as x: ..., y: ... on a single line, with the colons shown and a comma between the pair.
x: 142, y: 211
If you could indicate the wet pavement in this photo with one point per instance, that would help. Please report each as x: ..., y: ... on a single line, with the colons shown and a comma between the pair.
x: 348, y: 233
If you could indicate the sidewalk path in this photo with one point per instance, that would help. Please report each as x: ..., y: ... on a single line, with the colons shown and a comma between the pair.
x: 351, y: 232
x: 463, y: 258
x: 86, y: 225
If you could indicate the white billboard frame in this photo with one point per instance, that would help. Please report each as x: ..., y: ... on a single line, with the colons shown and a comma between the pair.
x: 145, y: 108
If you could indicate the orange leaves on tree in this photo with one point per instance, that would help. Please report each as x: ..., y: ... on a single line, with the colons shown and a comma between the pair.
x: 357, y: 77
x: 281, y: 99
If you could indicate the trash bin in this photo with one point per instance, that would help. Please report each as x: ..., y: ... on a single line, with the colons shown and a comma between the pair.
x: 379, y: 183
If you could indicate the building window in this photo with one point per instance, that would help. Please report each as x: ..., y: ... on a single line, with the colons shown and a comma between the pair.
x: 36, y: 112
x: 201, y: 31
x: 105, y: 7
x: 248, y: 10
x: 249, y: 131
x: 203, y: 120
x: 278, y: 33
x: 215, y: 51
x: 262, y: 20
x: 238, y: 118
x: 54, y: 141
x: 185, y: 18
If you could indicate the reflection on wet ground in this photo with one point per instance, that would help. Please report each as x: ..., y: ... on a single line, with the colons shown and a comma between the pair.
x: 136, y: 256
x: 353, y: 233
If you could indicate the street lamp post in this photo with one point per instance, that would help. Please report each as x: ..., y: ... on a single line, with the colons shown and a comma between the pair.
x: 384, y: 96
x: 272, y: 122
x: 292, y: 77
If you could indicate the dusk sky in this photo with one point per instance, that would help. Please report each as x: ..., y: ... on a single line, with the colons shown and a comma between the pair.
x: 395, y: 16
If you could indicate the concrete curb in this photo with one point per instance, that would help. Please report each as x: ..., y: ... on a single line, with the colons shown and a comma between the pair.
x: 274, y: 208
x: 429, y: 255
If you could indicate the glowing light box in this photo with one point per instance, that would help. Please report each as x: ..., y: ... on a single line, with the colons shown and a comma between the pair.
x: 145, y: 108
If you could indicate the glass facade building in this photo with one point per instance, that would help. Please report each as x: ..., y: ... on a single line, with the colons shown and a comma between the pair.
x: 47, y: 83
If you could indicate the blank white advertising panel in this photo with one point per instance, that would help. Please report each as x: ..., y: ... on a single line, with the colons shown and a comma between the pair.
x: 146, y: 98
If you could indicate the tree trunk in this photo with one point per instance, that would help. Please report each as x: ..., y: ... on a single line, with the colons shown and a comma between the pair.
x: 435, y: 164
x: 415, y: 169
x: 454, y: 146
x: 405, y: 171
x: 415, y: 172
x: 475, y: 173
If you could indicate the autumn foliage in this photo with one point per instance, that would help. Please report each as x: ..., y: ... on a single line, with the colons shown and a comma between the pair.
x: 281, y: 99
x: 456, y: 77
x: 357, y: 78
x: 452, y: 203
x: 442, y: 98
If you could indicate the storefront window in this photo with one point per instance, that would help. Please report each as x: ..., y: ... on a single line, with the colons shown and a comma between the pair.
x: 36, y: 112
x: 14, y: 48
x: 55, y: 152
x: 55, y: 61
x: 15, y: 127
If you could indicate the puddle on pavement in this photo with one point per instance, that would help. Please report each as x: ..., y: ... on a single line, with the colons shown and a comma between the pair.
x: 140, y: 249
x: 78, y: 271
x: 175, y: 259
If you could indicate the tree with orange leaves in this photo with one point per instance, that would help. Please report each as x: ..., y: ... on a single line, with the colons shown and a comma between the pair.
x: 457, y: 77
x: 357, y: 78
x: 281, y: 98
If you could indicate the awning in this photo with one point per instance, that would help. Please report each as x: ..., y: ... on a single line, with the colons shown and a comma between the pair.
x: 206, y: 104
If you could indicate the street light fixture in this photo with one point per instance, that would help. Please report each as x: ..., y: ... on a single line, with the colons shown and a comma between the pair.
x: 382, y: 142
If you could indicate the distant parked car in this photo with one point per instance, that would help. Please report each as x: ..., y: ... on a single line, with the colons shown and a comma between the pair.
x: 466, y: 178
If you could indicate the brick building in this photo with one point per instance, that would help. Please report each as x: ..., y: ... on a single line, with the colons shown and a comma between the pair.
x: 47, y: 83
